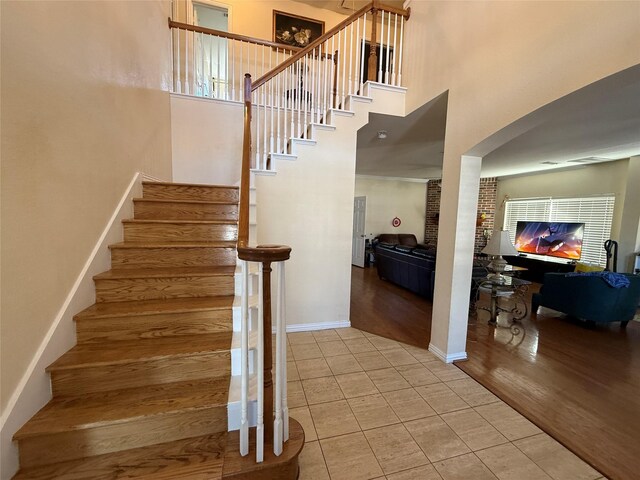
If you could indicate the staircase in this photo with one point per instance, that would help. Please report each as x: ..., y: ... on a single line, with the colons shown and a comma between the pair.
x: 144, y: 392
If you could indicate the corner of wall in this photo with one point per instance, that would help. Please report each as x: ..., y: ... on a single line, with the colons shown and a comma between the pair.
x: 34, y: 389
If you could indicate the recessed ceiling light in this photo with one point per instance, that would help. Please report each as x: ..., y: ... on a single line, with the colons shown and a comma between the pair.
x: 588, y: 160
x: 382, y: 134
x: 549, y: 163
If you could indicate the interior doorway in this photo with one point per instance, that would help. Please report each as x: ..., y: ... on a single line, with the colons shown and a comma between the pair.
x: 358, y: 242
x: 211, y: 51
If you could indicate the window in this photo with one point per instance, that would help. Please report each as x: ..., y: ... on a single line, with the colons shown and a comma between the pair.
x: 595, y: 212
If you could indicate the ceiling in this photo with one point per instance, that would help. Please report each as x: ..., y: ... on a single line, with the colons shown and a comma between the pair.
x: 598, y: 123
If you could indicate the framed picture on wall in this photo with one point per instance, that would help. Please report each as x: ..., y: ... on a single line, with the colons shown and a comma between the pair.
x: 295, y: 30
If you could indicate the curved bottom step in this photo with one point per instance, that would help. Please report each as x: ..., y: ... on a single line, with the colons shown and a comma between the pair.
x: 284, y: 467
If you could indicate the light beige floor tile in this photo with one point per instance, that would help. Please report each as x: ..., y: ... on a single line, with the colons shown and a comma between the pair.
x: 421, y: 354
x: 554, y: 459
x: 349, y: 457
x: 328, y: 335
x: 472, y: 392
x: 359, y: 345
x: 306, y: 351
x: 464, y: 467
x: 445, y: 371
x: 343, y: 364
x: 398, y: 357
x: 289, y: 351
x: 441, y: 398
x: 292, y: 372
x: 395, y: 449
x: 408, y: 404
x: 356, y: 384
x: 333, y: 418
x: 388, y: 379
x: 426, y: 472
x: 372, y: 360
x: 300, y: 338
x: 372, y: 411
x: 333, y: 348
x: 382, y: 343
x: 508, y: 422
x: 320, y: 390
x: 295, y: 395
x: 417, y: 375
x: 349, y: 333
x: 436, y: 439
x: 312, y: 466
x: 303, y: 415
x: 509, y: 463
x: 313, y: 368
x: 474, y: 430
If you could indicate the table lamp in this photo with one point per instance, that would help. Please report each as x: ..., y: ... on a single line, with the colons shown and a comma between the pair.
x: 499, y: 244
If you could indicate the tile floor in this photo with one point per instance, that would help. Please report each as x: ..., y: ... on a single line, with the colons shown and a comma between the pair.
x: 374, y: 408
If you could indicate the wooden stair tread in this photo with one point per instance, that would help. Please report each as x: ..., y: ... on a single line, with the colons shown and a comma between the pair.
x: 231, y: 244
x: 92, y: 410
x: 152, y: 307
x: 198, y: 202
x: 223, y: 270
x: 127, y: 351
x: 180, y: 222
x: 198, y: 185
x: 187, y: 459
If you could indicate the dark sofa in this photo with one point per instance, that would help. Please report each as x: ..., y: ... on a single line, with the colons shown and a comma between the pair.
x: 400, y: 259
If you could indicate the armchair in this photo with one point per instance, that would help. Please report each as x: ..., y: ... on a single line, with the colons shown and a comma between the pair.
x: 588, y: 298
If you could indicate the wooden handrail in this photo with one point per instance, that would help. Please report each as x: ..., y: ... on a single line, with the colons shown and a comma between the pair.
x: 320, y: 40
x: 245, y: 174
x: 232, y: 36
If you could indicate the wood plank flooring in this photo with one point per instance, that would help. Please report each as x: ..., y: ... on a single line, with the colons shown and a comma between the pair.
x: 580, y: 385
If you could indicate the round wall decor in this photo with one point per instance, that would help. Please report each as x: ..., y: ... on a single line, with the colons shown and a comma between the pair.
x: 396, y: 222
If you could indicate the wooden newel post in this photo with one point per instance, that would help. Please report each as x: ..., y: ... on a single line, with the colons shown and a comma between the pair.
x: 266, y: 254
x: 372, y: 67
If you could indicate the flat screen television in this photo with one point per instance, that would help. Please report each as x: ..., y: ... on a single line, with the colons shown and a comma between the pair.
x: 555, y: 239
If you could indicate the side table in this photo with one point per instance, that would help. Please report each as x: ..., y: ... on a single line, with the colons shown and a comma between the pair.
x: 505, y: 287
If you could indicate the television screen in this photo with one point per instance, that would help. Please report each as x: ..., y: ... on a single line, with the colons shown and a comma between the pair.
x: 555, y: 239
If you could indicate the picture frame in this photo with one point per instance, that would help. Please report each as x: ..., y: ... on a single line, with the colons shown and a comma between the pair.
x: 295, y: 30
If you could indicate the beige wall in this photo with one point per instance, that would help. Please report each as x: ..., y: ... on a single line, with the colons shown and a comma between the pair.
x: 500, y: 61
x: 387, y: 199
x: 84, y: 106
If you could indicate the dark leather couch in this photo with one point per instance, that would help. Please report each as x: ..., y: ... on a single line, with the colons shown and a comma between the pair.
x: 400, y: 259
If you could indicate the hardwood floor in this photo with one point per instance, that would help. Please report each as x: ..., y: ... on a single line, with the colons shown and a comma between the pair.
x: 581, y: 385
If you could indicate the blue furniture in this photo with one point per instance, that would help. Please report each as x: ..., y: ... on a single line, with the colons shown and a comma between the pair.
x: 588, y: 298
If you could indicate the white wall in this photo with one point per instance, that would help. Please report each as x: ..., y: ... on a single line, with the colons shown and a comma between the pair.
x: 386, y: 199
x: 206, y: 140
x: 84, y: 107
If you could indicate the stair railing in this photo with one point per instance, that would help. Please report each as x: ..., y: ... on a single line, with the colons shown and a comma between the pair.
x: 211, y: 63
x: 279, y: 107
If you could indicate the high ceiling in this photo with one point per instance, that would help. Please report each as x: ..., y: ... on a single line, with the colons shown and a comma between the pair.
x: 598, y: 123
x: 347, y: 7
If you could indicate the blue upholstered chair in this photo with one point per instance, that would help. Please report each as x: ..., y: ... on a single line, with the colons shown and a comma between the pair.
x: 588, y: 298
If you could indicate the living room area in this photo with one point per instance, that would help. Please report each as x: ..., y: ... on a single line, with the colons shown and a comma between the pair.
x: 572, y: 379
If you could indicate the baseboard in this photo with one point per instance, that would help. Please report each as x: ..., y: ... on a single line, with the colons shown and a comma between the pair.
x: 452, y: 357
x: 34, y: 389
x: 307, y: 327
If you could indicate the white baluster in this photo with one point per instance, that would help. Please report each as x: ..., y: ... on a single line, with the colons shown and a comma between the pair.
x: 283, y: 350
x: 313, y: 87
x: 276, y: 80
x: 244, y: 362
x: 292, y: 90
x: 399, y: 77
x: 362, y: 59
x: 233, y: 70
x: 210, y: 81
x: 257, y: 142
x: 305, y: 97
x: 179, y: 83
x: 277, y: 422
x: 271, y: 139
x: 395, y: 46
x: 338, y: 71
x: 356, y: 75
x: 332, y: 102
x: 351, y: 59
x: 194, y: 61
x: 298, y: 95
x: 324, y: 81
x: 380, y: 77
x: 265, y: 89
x: 318, y: 97
x: 344, y: 70
x: 186, y: 62
x: 240, y: 74
x: 260, y: 374
x: 386, y: 71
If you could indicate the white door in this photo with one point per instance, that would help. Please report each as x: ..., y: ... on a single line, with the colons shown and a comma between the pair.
x: 357, y: 246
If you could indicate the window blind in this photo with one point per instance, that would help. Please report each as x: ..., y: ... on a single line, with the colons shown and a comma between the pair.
x: 595, y: 212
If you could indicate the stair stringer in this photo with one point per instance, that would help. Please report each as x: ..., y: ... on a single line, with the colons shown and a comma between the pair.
x: 320, y: 174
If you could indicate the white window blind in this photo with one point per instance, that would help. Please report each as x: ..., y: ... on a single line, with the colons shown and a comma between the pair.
x: 595, y: 212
